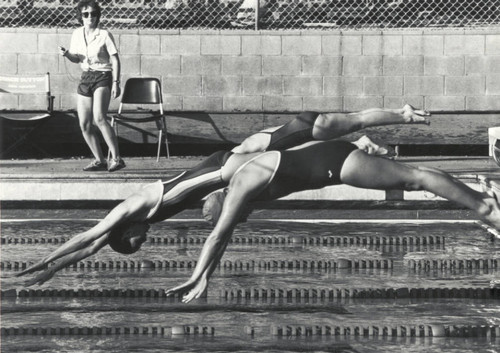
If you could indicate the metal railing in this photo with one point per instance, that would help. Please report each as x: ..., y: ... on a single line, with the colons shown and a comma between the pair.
x: 258, y: 14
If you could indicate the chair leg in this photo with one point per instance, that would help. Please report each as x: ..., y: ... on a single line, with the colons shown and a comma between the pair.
x: 166, y: 137
x: 160, y: 133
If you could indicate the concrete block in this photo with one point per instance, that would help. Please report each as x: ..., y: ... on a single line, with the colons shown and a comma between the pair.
x: 164, y: 65
x: 262, y: 85
x: 362, y: 66
x: 448, y: 66
x: 403, y: 65
x: 476, y: 64
x: 142, y: 45
x: 301, y: 45
x: 492, y: 44
x: 493, y: 84
x: 9, y: 101
x: 261, y: 45
x: 331, y: 45
x: 303, y: 86
x: 203, y: 103
x: 37, y: 63
x: 18, y: 43
x: 8, y: 64
x: 221, y: 45
x: 250, y: 103
x: 491, y: 102
x: 398, y: 101
x: 217, y: 86
x: 353, y: 104
x: 464, y: 44
x: 182, y: 85
x: 322, y: 65
x: 445, y: 103
x: 343, y: 86
x: 383, y: 85
x: 200, y: 65
x: 424, y: 85
x: 383, y: 45
x: 68, y: 101
x: 351, y: 45
x: 131, y: 64
x: 323, y: 104
x: 464, y: 85
x: 240, y: 65
x: 172, y: 103
x: 282, y: 103
x: 180, y: 44
x: 281, y: 65
x: 423, y: 45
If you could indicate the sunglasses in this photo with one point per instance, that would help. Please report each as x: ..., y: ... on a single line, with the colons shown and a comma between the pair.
x: 89, y: 14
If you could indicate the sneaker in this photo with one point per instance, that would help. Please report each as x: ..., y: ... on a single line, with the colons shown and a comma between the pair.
x: 95, y: 166
x: 116, y: 164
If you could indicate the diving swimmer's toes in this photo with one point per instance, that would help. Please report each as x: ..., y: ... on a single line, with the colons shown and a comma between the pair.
x: 415, y: 116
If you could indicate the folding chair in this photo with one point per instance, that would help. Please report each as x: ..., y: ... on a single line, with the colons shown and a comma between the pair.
x: 24, y: 121
x: 143, y: 90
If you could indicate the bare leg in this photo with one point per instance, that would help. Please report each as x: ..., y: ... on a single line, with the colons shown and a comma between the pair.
x: 84, y: 109
x: 333, y: 125
x: 101, y: 103
x: 365, y: 171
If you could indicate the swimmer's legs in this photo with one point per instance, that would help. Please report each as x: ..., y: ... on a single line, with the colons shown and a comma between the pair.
x: 333, y: 125
x: 365, y: 171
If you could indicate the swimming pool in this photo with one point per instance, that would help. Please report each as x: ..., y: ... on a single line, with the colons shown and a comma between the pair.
x: 281, y: 286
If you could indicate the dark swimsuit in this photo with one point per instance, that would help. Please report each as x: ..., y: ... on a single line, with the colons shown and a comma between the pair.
x: 293, y: 133
x: 311, y: 167
x: 195, y: 184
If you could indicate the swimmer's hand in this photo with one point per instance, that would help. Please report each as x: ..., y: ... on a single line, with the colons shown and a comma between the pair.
x: 183, y: 288
x: 41, y: 278
x: 62, y: 50
x: 415, y: 116
x: 42, y: 265
x: 197, y: 292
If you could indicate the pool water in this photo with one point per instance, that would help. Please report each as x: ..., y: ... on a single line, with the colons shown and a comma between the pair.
x: 255, y: 242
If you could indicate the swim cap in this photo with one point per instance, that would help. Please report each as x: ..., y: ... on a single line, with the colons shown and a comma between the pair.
x: 118, y: 238
x: 212, y: 208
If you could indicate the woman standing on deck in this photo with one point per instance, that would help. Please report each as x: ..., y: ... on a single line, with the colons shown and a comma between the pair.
x: 95, y: 50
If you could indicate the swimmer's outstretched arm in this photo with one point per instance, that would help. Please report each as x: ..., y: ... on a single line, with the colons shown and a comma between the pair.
x: 76, y: 256
x: 246, y: 184
x: 126, y: 210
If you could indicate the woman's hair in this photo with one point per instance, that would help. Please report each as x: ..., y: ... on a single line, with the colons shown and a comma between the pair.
x: 118, y: 239
x: 87, y: 3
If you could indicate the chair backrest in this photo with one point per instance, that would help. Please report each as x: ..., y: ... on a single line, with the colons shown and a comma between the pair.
x: 142, y: 90
x: 27, y: 85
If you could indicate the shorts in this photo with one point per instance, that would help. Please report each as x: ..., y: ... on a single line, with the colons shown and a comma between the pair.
x: 92, y: 80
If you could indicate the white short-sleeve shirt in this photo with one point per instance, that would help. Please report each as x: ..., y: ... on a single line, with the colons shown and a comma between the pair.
x: 94, y: 51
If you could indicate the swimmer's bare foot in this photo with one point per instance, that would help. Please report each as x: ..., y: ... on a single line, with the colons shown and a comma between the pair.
x: 370, y: 147
x: 415, y: 116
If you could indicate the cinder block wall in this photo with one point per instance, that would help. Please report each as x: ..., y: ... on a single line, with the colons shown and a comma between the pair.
x: 282, y: 70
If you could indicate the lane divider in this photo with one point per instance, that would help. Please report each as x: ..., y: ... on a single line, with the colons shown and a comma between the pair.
x: 361, y: 293
x: 226, y: 264
x: 107, y: 331
x: 265, y: 240
x: 418, y: 330
x: 272, y: 293
x: 452, y: 264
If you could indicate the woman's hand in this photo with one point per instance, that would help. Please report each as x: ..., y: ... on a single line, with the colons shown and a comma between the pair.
x: 197, y: 292
x: 185, y: 287
x: 40, y: 278
x: 41, y: 265
x: 115, y: 90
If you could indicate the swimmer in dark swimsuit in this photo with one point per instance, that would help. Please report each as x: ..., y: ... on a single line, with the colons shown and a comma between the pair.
x: 311, y: 126
x: 125, y: 227
x: 275, y: 174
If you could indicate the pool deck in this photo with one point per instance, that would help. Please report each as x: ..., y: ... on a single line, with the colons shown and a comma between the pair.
x: 63, y: 179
